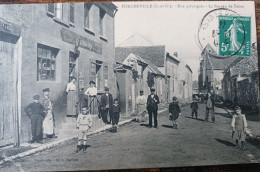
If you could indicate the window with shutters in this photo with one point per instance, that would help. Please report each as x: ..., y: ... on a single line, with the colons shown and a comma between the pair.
x: 72, y: 13
x: 101, y: 21
x: 46, y: 63
x: 87, y: 8
x: 96, y: 73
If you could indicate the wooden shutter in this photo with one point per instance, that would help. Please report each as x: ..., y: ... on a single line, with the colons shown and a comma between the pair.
x: 71, y: 13
x: 92, y: 70
x: 105, y: 73
x: 51, y: 9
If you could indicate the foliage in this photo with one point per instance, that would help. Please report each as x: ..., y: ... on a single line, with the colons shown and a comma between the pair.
x: 135, y: 75
x: 150, y: 80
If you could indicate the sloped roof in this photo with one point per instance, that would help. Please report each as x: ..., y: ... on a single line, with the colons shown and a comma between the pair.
x: 154, y: 68
x: 208, y: 48
x: 136, y: 40
x: 218, y: 63
x: 154, y: 54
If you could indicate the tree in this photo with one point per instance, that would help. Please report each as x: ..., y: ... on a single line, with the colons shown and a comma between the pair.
x: 150, y: 79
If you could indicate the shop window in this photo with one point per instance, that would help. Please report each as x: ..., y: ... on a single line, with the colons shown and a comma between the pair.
x: 101, y: 21
x: 72, y: 64
x: 46, y: 63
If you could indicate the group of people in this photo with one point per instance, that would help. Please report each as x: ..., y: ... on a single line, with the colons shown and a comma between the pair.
x: 42, y: 117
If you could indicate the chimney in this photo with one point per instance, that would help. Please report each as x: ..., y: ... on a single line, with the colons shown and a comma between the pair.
x: 175, y: 54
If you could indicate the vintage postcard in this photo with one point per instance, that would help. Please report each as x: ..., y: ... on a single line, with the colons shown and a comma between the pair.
x: 123, y: 85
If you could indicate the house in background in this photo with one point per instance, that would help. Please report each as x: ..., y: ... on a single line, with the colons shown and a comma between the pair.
x: 169, y: 65
x: 45, y: 44
x: 211, y: 70
x: 241, y: 81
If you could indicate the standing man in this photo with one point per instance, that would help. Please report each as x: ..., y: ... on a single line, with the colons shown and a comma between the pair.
x: 152, y: 108
x: 35, y: 113
x: 141, y: 106
x: 106, y: 105
x: 91, y: 92
x: 210, y: 102
x: 48, y: 122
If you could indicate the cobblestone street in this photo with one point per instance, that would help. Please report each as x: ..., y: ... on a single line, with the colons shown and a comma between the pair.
x: 137, y: 146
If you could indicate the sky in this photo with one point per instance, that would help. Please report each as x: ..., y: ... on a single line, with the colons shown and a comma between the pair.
x: 175, y: 25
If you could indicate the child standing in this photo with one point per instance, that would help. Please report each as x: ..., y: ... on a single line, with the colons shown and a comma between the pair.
x: 84, y: 123
x: 239, y: 125
x: 194, y: 108
x: 115, y: 115
x: 175, y: 111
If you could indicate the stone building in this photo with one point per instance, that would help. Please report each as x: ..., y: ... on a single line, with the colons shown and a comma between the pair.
x: 211, y: 70
x: 42, y: 45
x: 241, y: 81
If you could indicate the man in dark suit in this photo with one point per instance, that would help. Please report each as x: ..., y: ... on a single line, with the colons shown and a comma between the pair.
x: 106, y: 105
x: 152, y: 108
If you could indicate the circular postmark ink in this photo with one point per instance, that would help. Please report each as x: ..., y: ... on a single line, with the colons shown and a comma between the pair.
x: 209, y: 30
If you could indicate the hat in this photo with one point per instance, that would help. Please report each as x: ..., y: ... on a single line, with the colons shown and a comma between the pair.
x: 174, y: 98
x: 36, y: 97
x: 92, y: 82
x: 152, y: 89
x: 141, y: 91
x: 237, y: 108
x: 106, y: 89
x: 46, y: 90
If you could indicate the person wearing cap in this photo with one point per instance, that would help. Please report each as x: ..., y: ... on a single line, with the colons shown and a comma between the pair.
x: 71, y: 97
x: 35, y: 112
x: 141, y: 106
x: 152, y: 108
x: 106, y: 105
x: 91, y: 92
x: 48, y: 122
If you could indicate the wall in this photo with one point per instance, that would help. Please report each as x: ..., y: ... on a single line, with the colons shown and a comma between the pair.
x: 37, y: 28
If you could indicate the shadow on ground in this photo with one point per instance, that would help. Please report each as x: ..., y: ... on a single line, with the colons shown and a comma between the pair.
x: 198, y: 119
x: 167, y: 126
x: 145, y: 125
x: 253, y: 142
x: 226, y: 115
x: 225, y: 142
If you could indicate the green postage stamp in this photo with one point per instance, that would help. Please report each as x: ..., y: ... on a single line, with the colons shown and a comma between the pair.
x: 234, y: 36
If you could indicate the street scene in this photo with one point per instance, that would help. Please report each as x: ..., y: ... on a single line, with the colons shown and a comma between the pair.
x: 119, y: 85
x: 192, y: 143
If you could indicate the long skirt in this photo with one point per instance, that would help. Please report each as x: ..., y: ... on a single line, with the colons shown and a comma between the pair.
x: 71, y: 103
x: 48, y: 125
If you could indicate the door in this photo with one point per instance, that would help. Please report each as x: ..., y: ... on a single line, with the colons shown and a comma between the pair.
x: 7, y: 93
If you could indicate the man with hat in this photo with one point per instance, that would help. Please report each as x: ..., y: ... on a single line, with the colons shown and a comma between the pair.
x: 152, y: 108
x: 106, y: 105
x: 48, y: 122
x: 141, y: 106
x: 35, y: 113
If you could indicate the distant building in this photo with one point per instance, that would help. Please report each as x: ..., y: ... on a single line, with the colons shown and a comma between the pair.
x: 241, y: 81
x: 211, y: 70
x: 45, y: 44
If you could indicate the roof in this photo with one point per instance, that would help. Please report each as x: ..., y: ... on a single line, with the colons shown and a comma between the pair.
x: 218, y: 63
x: 154, y: 68
x: 155, y: 54
x: 208, y: 48
x: 188, y: 67
x: 136, y: 40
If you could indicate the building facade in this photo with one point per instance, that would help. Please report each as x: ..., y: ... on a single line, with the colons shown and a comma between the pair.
x: 46, y: 44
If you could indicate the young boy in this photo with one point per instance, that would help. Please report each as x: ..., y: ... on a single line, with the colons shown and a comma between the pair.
x: 35, y: 112
x: 116, y: 114
x: 175, y: 111
x: 84, y: 123
x: 239, y: 125
x: 194, y: 108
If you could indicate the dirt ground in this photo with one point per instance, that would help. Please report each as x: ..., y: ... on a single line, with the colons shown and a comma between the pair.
x: 137, y: 146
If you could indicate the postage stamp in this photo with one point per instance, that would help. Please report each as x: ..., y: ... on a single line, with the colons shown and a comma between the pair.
x: 234, y: 36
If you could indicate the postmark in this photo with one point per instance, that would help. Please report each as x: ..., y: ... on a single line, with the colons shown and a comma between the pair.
x: 208, y: 30
x: 234, y: 36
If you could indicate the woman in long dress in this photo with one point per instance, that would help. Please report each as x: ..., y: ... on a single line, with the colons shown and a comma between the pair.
x: 71, y: 98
